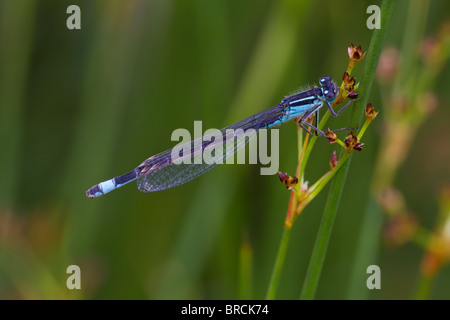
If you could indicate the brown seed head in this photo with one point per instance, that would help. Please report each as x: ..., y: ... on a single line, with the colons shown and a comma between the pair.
x: 287, y: 180
x: 333, y: 160
x: 350, y: 140
x: 331, y: 136
x: 355, y: 54
x: 358, y: 146
x: 349, y: 82
x: 352, y: 95
x: 370, y: 112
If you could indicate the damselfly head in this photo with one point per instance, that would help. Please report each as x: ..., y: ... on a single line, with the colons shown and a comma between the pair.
x: 329, y: 89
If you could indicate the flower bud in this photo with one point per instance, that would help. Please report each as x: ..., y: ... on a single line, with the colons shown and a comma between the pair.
x: 331, y: 136
x: 370, y: 112
x: 333, y: 160
x: 287, y: 180
x: 355, y: 54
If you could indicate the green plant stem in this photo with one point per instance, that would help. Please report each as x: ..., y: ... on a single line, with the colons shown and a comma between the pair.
x: 363, y: 129
x: 373, y: 217
x: 303, y: 156
x: 311, y: 143
x: 275, y: 278
x: 332, y: 203
x: 322, y: 182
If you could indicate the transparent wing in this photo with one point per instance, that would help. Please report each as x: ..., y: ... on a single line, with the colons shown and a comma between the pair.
x: 162, y: 172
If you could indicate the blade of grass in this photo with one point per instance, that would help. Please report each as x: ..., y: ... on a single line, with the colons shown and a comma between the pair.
x: 279, y: 261
x: 337, y: 186
x: 373, y: 216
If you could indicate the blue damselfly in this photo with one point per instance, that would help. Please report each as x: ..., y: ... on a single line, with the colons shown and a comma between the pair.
x: 161, y: 172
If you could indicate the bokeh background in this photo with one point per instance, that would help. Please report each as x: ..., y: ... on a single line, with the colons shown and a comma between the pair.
x: 78, y: 107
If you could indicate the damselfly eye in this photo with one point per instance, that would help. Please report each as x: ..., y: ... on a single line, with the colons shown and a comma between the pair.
x: 322, y: 80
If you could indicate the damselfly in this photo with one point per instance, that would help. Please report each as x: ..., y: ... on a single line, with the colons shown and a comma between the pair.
x: 161, y: 172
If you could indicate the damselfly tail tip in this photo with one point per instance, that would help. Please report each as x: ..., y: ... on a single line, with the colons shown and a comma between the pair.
x: 94, y: 192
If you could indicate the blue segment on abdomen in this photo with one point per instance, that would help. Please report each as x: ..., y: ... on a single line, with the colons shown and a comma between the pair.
x: 111, y: 184
x: 107, y: 186
x: 297, y: 111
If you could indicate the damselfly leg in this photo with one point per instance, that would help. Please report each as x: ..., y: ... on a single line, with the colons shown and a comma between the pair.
x: 303, y: 123
x: 335, y: 114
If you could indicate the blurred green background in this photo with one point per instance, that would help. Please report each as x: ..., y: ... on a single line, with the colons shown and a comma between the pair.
x: 78, y: 107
